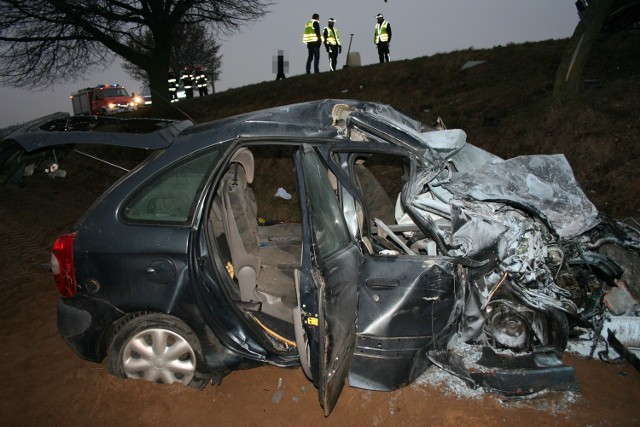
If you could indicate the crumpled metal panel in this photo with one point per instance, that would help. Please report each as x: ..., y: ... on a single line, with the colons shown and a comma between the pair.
x: 405, y: 306
x: 541, y: 184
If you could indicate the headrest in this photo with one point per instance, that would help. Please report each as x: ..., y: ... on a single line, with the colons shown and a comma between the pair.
x: 245, y: 158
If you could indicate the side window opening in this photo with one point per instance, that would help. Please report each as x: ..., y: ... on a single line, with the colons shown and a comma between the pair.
x: 255, y: 221
x: 329, y: 226
x: 170, y: 197
x: 380, y: 179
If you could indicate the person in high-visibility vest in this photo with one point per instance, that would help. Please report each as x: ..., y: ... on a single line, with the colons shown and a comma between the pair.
x: 187, y: 81
x: 382, y: 38
x: 332, y: 43
x: 173, y: 86
x: 313, y: 39
x: 201, y: 81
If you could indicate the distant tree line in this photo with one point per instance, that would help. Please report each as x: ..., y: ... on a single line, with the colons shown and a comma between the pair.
x: 43, y: 42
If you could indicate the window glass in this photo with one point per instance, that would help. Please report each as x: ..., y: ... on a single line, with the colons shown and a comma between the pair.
x: 171, y: 196
x: 329, y: 227
x: 380, y: 178
x: 110, y: 92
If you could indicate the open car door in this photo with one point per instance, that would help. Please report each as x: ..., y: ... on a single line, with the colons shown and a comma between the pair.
x: 330, y: 274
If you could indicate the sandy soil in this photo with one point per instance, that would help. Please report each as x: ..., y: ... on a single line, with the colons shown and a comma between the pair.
x: 43, y: 383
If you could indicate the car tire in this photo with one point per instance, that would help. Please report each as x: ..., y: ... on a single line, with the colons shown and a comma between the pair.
x: 158, y: 348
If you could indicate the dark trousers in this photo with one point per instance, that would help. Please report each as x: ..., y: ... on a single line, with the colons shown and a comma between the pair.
x: 314, y: 55
x: 383, y: 51
x: 333, y: 57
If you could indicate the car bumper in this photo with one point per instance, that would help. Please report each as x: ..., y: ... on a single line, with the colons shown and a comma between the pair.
x: 511, y: 375
x: 83, y: 321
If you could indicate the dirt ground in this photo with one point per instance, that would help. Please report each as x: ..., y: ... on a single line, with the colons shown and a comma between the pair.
x: 43, y: 383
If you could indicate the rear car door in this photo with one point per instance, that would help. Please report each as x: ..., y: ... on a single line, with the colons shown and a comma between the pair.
x: 329, y: 279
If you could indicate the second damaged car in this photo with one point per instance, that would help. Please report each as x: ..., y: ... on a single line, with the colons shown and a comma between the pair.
x: 391, y: 246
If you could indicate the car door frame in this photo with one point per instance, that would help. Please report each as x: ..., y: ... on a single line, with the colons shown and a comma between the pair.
x: 396, y: 294
x: 327, y: 288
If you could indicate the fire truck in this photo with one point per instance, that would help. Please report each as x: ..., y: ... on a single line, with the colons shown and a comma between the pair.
x: 102, y: 100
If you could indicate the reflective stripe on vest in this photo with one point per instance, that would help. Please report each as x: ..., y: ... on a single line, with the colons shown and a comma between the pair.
x: 332, y: 36
x: 381, y: 33
x: 309, y: 35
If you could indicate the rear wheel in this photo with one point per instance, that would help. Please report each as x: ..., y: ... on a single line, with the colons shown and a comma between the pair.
x: 158, y: 348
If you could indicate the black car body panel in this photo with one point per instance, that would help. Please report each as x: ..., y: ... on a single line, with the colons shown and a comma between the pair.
x: 406, y: 306
x: 82, y: 321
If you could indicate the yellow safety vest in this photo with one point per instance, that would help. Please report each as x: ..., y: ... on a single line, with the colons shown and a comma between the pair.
x: 332, y: 36
x: 309, y: 35
x: 381, y: 34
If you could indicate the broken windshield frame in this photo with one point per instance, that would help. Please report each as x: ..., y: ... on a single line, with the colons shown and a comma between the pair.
x: 380, y: 128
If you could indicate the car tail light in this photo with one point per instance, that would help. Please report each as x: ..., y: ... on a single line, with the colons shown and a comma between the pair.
x: 62, y: 264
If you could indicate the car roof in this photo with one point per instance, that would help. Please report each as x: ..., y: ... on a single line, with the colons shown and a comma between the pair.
x: 311, y: 119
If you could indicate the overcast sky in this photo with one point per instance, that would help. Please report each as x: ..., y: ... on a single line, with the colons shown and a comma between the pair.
x: 420, y: 28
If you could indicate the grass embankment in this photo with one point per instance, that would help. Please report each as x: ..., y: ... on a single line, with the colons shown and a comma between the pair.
x: 503, y: 104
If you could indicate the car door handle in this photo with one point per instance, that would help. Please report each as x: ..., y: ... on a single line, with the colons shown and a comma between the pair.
x: 382, y: 283
x: 151, y: 270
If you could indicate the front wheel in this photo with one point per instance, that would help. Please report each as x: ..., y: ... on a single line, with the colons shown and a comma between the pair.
x: 518, y: 328
x: 158, y: 348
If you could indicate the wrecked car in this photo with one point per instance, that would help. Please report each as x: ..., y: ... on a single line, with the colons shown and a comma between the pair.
x: 397, y: 246
x: 26, y: 149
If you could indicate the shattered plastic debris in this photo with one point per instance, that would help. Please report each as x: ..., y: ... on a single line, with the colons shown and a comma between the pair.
x: 471, y: 64
x: 556, y: 403
x: 453, y: 386
x: 449, y: 384
x: 627, y: 329
x: 282, y: 193
x: 279, y: 393
x: 619, y: 299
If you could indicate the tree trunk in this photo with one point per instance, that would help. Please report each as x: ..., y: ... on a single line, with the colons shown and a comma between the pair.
x: 569, y: 75
x: 159, y: 86
x: 157, y: 68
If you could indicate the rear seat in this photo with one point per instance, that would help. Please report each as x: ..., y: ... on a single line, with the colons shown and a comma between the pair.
x: 241, y: 227
x: 263, y: 258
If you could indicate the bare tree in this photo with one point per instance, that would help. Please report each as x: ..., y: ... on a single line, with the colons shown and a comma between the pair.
x: 48, y: 41
x: 195, y: 46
